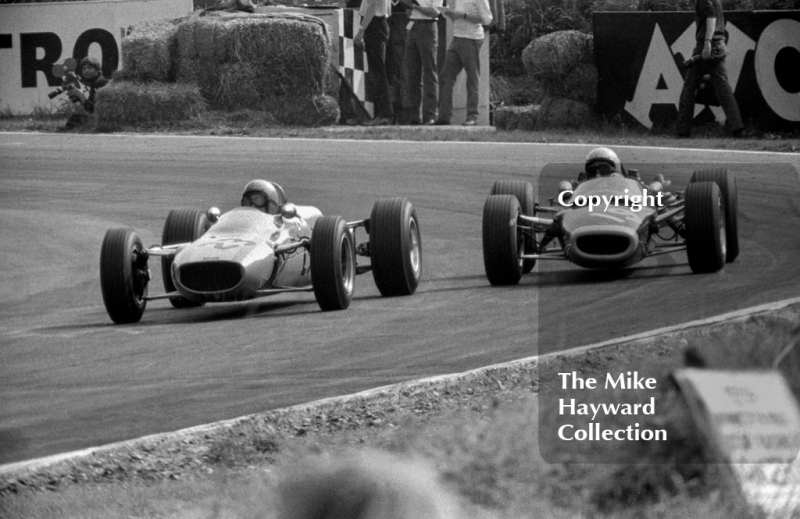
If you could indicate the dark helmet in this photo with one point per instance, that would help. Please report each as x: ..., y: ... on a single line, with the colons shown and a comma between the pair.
x: 264, y: 196
x: 90, y: 61
x: 602, y: 162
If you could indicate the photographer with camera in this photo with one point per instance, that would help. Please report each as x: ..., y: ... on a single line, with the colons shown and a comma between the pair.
x: 81, y: 89
x: 708, y: 58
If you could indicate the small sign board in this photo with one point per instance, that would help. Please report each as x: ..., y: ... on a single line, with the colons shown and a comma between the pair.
x: 751, y: 422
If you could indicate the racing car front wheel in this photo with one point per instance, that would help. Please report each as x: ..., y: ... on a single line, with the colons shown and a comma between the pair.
x: 333, y: 263
x: 182, y: 226
x: 727, y: 185
x: 502, y: 243
x: 123, y: 275
x: 395, y: 247
x: 704, y: 215
x: 523, y: 190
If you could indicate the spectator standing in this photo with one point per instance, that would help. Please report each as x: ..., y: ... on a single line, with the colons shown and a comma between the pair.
x: 374, y: 35
x: 394, y: 58
x: 421, y: 72
x: 468, y: 17
x: 711, y: 39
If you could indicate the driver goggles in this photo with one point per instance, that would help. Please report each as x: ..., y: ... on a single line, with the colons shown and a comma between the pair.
x: 258, y: 200
x: 599, y: 168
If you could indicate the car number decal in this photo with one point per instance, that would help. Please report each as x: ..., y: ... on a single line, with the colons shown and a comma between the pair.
x: 228, y: 243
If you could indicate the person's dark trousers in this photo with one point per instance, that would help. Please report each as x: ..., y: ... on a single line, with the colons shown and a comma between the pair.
x: 715, y: 67
x: 394, y: 60
x: 376, y: 36
x: 422, y: 75
x: 463, y: 53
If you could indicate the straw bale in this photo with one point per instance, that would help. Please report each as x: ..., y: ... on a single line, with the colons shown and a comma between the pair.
x: 553, y: 56
x: 581, y: 84
x: 250, y: 60
x: 516, y: 117
x: 147, y: 51
x: 321, y: 110
x: 133, y: 103
x: 560, y: 112
x: 236, y: 87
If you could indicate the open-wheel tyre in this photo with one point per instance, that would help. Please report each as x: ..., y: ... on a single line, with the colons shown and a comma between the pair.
x: 502, y: 241
x: 333, y: 263
x: 727, y: 185
x: 395, y: 247
x: 523, y: 190
x: 705, y: 227
x: 123, y: 275
x: 182, y: 226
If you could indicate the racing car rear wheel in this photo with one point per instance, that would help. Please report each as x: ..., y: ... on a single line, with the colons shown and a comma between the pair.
x: 395, y: 247
x: 727, y: 185
x: 123, y: 275
x: 182, y: 226
x: 524, y: 192
x: 502, y: 243
x: 705, y: 227
x: 333, y: 263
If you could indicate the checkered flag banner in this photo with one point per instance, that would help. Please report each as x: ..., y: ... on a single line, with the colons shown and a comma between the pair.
x: 353, y: 63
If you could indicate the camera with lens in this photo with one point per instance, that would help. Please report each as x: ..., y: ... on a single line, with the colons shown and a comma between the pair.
x: 69, y: 80
x: 692, y: 61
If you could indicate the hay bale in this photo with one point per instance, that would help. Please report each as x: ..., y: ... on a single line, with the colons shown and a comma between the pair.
x: 322, y: 110
x: 553, y: 56
x: 147, y: 51
x: 560, y: 112
x: 250, y: 61
x: 516, y: 117
x: 581, y: 84
x: 134, y: 103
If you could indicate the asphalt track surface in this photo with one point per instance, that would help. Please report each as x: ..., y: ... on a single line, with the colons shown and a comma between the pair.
x: 71, y: 379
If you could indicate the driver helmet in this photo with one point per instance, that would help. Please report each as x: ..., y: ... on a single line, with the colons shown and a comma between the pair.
x: 267, y: 197
x: 602, y: 162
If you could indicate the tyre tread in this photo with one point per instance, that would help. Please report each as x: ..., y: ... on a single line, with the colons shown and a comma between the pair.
x: 500, y: 255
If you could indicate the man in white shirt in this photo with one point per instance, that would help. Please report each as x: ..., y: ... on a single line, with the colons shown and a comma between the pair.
x: 468, y: 17
x: 374, y: 34
x: 421, y: 71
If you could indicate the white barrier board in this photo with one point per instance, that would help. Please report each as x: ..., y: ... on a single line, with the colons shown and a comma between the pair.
x: 34, y: 36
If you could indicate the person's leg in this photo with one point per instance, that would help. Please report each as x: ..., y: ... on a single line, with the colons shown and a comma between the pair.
x: 719, y: 80
x: 450, y: 70
x: 428, y: 49
x: 472, y: 65
x: 686, y: 103
x: 412, y: 97
x: 375, y: 37
x: 394, y: 60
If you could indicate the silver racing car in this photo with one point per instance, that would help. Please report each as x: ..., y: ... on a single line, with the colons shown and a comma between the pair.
x: 610, y: 219
x: 266, y: 247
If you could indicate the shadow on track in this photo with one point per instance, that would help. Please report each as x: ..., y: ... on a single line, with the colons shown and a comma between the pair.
x: 594, y: 277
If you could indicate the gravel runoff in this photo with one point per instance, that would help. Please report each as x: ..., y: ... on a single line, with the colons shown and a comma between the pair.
x: 187, y: 452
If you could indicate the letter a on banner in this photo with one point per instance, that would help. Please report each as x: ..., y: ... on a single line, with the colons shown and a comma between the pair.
x: 659, y: 69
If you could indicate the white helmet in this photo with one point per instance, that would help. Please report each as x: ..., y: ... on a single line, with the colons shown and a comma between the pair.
x: 599, y: 156
x: 264, y: 196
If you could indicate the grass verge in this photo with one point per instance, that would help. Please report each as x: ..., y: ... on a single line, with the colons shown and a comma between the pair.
x: 471, y: 442
x: 251, y: 123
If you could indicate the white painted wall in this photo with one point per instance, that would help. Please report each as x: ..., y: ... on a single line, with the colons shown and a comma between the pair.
x: 67, y: 21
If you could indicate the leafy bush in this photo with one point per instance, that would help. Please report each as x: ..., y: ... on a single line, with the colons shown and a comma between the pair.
x: 527, y: 20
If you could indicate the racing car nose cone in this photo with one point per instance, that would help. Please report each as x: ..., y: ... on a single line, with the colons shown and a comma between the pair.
x: 600, y: 246
x: 211, y: 276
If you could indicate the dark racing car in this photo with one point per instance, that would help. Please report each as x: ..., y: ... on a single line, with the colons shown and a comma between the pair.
x: 609, y: 219
x: 265, y: 247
